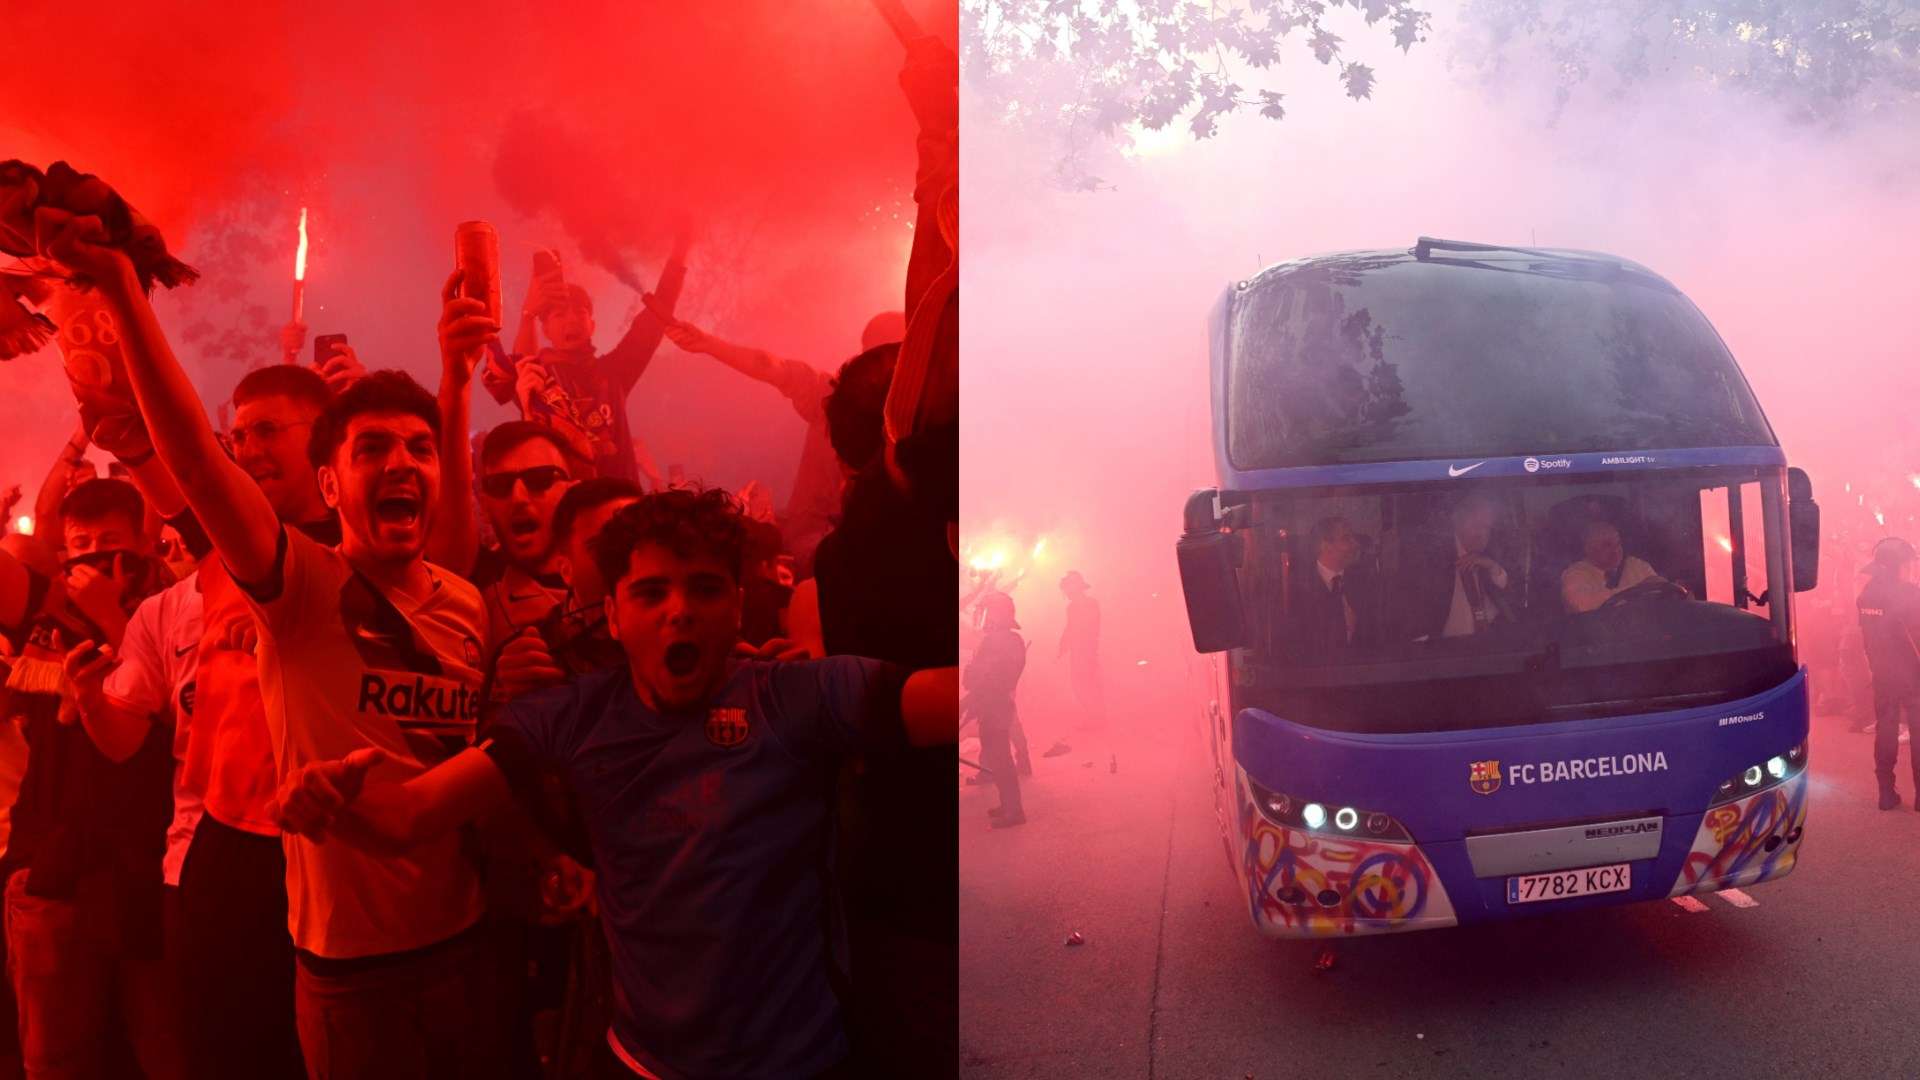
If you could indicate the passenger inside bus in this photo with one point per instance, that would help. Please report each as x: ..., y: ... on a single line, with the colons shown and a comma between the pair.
x: 1457, y: 588
x: 1604, y: 572
x: 1330, y: 604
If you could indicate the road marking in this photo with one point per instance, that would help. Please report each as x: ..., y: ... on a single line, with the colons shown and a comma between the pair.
x: 1688, y: 903
x: 1738, y: 898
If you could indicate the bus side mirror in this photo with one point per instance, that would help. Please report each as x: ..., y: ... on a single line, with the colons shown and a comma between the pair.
x: 1214, y: 613
x: 1803, y: 522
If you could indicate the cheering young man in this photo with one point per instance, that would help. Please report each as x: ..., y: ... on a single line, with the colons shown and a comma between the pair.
x: 704, y: 780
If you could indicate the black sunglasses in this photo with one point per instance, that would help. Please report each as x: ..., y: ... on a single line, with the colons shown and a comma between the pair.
x: 537, y: 479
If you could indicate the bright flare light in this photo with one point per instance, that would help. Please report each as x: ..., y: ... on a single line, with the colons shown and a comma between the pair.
x: 1726, y: 544
x: 300, y: 253
x: 1040, y: 545
x: 1915, y: 478
x: 1879, y: 518
x: 24, y: 526
x: 989, y: 560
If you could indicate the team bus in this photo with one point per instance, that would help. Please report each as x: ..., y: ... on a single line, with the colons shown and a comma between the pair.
x: 1498, y: 590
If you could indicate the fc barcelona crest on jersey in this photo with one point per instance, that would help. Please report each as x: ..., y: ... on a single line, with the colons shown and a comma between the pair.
x: 1484, y: 776
x: 727, y: 728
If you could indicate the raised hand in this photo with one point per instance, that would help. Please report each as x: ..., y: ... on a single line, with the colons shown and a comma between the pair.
x: 465, y: 330
x: 341, y: 367
x: 79, y: 242
x: 690, y: 337
x: 525, y: 665
x: 531, y: 377
x: 293, y: 338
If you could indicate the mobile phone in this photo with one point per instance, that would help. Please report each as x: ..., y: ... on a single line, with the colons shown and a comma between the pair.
x: 323, y: 347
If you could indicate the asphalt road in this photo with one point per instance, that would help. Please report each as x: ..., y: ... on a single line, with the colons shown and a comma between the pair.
x: 1818, y: 975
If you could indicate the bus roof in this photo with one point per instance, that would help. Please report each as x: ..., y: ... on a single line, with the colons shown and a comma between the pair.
x: 1389, y: 365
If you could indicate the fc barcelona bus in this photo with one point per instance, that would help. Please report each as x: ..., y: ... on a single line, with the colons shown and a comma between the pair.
x: 1497, y: 590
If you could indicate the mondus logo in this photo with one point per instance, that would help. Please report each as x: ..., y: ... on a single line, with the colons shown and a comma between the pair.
x: 418, y: 699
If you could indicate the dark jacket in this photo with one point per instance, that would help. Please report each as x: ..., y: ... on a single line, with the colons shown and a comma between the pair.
x: 1317, y: 621
x: 992, y: 676
x: 1890, y: 628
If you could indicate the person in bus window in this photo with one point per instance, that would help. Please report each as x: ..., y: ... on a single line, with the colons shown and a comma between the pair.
x: 1457, y: 589
x: 1605, y: 572
x: 1329, y: 612
x: 1889, y: 615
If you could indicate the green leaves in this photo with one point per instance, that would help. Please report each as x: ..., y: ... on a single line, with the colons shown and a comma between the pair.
x: 1089, y: 71
x: 1359, y: 80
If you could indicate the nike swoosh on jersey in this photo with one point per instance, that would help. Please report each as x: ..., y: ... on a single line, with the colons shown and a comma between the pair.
x: 1459, y: 472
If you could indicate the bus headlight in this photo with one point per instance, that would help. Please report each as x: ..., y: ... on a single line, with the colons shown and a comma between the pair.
x: 1757, y: 778
x: 1294, y: 813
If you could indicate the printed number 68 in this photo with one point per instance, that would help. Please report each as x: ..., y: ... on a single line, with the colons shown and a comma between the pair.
x: 94, y: 325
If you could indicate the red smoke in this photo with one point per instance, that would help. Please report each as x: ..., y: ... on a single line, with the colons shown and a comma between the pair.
x: 775, y: 130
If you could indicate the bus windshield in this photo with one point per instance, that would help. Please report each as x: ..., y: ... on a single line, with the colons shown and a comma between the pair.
x: 1507, y: 602
x: 1369, y: 358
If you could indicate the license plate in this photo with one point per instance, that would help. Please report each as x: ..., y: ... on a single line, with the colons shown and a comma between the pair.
x: 1563, y: 884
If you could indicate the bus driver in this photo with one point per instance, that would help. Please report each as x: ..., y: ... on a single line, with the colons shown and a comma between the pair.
x: 1605, y: 572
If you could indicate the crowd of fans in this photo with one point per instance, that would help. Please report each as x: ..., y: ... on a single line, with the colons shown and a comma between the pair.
x: 343, y: 743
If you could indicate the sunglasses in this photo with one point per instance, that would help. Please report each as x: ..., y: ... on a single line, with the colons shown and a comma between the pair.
x: 538, y: 480
x: 265, y: 431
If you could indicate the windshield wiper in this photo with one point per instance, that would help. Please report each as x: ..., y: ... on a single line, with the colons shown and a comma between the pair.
x: 1555, y: 263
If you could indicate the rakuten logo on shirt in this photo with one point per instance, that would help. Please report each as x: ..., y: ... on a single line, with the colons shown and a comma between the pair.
x: 418, y: 698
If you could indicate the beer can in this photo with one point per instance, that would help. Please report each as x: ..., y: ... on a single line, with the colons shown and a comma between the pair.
x: 476, y: 252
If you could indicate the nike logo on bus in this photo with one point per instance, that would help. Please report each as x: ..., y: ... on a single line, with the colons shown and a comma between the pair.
x: 1456, y: 471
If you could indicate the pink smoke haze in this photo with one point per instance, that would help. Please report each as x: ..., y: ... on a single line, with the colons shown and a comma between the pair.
x: 1085, y: 383
x: 776, y: 132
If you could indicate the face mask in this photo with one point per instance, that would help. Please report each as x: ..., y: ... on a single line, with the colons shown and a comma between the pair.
x: 138, y: 569
x: 102, y: 561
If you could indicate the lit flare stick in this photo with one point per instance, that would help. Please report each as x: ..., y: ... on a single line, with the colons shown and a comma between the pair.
x: 904, y: 25
x: 299, y: 280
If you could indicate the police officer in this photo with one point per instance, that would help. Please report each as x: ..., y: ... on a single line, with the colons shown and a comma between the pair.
x: 1889, y: 622
x: 990, y: 680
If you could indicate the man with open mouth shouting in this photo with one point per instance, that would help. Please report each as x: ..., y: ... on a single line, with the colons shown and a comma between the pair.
x: 362, y: 646
x: 704, y: 780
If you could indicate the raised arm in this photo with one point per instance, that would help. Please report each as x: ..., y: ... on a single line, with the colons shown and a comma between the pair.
x: 630, y: 358
x: 46, y: 504
x: 230, y: 506
x: 465, y: 332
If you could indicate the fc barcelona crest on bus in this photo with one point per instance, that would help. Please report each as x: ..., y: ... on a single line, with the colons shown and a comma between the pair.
x: 1484, y: 776
x: 727, y: 728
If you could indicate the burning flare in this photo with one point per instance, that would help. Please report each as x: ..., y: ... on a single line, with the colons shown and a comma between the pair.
x: 300, y: 253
